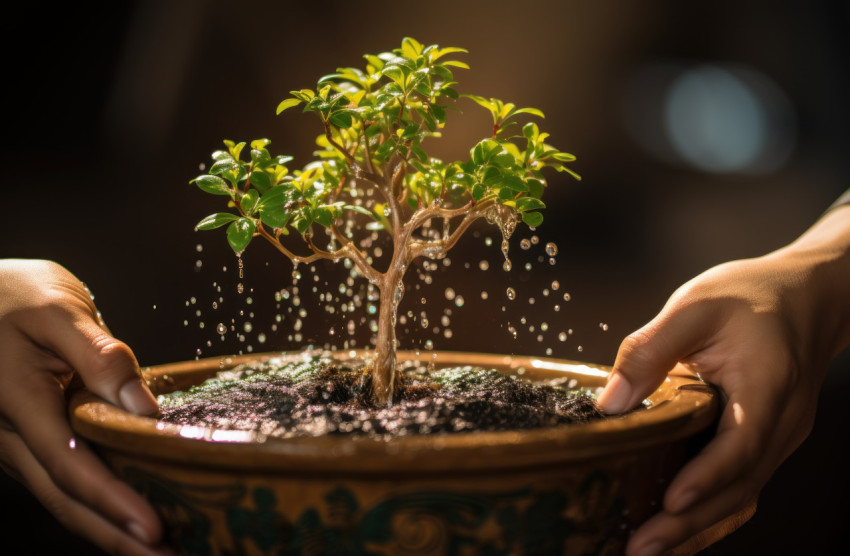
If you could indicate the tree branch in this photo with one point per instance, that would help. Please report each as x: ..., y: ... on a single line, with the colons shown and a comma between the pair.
x: 440, y: 247
x: 348, y: 250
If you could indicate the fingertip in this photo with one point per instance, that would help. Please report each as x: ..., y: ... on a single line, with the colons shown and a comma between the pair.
x: 616, y: 396
x: 136, y: 398
x: 679, y: 502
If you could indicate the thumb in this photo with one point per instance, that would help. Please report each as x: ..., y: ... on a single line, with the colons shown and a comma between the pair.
x: 648, y: 354
x: 106, y: 365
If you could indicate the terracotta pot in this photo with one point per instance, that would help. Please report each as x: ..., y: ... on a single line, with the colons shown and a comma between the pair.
x: 574, y: 489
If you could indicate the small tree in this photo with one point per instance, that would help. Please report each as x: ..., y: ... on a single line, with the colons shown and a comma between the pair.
x: 371, y: 163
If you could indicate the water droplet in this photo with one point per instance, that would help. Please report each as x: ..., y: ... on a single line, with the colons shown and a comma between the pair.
x: 450, y: 294
x: 248, y: 327
x: 484, y: 295
x: 603, y: 326
x: 567, y: 297
x: 240, y: 288
x: 483, y: 265
x: 199, y: 248
x: 488, y: 241
x: 544, y: 326
x: 534, y: 240
x: 511, y: 294
x: 557, y: 308
x: 531, y: 301
x: 221, y: 329
x: 459, y: 301
x: 562, y: 336
x: 525, y: 244
x: 580, y: 348
x: 528, y: 267
x: 261, y: 338
x: 506, y: 266
x: 552, y: 261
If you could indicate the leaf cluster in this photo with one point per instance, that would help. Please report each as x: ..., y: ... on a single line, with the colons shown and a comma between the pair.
x: 374, y: 121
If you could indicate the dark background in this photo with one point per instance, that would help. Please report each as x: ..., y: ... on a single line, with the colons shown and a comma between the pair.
x: 110, y: 110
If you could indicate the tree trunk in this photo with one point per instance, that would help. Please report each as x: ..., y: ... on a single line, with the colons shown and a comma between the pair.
x: 385, y: 375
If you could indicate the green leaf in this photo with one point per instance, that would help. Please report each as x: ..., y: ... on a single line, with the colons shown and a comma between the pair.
x: 258, y: 144
x: 342, y: 119
x: 302, y: 222
x: 448, y: 50
x: 533, y: 219
x: 478, y: 191
x: 224, y: 165
x: 532, y: 111
x: 535, y: 187
x: 239, y: 234
x: 260, y: 180
x: 272, y: 206
x: 234, y: 148
x: 213, y: 184
x: 359, y: 209
x: 529, y: 203
x: 288, y: 103
x: 395, y: 73
x: 260, y: 156
x: 215, y: 221
x: 324, y: 216
x: 248, y: 202
x: 564, y: 157
x: 456, y: 64
x: 410, y: 48
x: 514, y: 183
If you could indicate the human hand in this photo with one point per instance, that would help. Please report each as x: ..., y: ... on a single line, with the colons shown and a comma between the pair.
x: 763, y: 331
x: 49, y: 331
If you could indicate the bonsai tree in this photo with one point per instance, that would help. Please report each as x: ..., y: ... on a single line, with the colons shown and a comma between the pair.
x: 372, y: 173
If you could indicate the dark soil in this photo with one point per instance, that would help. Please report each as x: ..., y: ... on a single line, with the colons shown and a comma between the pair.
x: 315, y: 397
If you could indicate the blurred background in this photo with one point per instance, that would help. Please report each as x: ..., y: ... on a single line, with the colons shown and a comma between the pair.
x: 704, y: 133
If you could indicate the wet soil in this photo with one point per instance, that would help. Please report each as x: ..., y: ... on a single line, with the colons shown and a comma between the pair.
x: 310, y: 398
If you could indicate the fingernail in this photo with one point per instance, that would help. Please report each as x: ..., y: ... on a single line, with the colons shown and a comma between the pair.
x: 616, y: 395
x: 652, y: 549
x: 684, y: 501
x: 136, y: 398
x: 138, y: 532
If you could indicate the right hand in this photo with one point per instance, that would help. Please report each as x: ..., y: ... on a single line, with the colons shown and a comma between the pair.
x: 50, y: 331
x: 763, y: 331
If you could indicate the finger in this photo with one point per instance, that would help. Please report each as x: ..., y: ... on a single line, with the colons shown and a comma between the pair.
x: 647, y: 355
x: 718, y: 516
x: 106, y: 365
x: 37, y: 413
x: 72, y: 514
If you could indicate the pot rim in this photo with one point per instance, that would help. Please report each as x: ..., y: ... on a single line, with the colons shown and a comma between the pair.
x: 679, y: 408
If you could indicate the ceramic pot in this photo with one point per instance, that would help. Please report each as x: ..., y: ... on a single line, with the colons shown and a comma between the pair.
x: 574, y: 489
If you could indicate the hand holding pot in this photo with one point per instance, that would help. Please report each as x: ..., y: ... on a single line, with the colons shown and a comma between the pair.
x: 763, y: 331
x: 51, y: 333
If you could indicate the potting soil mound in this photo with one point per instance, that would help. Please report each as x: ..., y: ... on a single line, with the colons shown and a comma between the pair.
x: 317, y: 397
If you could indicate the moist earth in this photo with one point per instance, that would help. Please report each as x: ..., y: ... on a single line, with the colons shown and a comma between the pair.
x: 318, y: 397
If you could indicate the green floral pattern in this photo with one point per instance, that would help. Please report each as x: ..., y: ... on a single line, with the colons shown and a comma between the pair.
x: 523, y: 521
